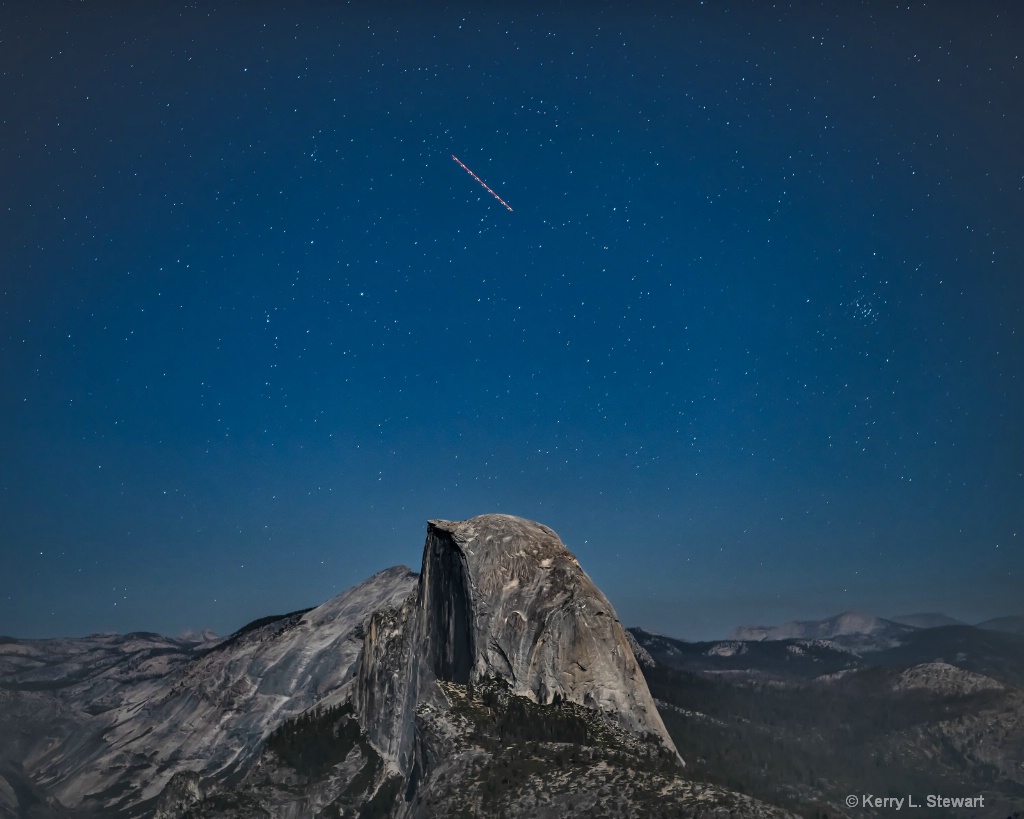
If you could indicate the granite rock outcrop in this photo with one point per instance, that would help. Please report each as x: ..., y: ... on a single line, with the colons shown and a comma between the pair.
x: 499, y: 598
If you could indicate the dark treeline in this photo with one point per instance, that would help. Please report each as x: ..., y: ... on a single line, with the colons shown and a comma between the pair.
x: 316, y: 741
x: 517, y: 719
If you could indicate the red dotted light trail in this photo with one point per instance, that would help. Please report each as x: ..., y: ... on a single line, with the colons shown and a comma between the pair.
x: 478, y: 179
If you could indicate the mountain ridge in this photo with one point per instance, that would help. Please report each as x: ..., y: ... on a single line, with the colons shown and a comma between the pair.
x: 138, y: 693
x: 496, y: 681
x: 860, y: 631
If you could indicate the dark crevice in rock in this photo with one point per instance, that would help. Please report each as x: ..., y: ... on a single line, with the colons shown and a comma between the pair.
x: 450, y: 611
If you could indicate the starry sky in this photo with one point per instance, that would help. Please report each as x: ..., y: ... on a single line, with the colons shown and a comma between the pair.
x: 750, y: 339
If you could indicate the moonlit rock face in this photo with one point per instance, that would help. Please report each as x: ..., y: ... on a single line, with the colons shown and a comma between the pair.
x: 535, y: 619
x: 129, y: 712
x: 500, y: 596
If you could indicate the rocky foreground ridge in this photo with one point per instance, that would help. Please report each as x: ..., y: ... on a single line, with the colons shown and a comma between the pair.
x: 499, y: 682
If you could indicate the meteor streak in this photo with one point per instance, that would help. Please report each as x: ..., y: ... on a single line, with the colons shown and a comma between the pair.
x: 478, y: 179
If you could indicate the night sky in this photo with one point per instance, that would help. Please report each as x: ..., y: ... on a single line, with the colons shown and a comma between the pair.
x: 751, y: 338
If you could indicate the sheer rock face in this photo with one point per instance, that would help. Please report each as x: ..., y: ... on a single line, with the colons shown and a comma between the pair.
x: 384, y: 696
x: 499, y: 596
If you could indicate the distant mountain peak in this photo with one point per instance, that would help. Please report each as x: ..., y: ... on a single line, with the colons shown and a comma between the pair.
x: 852, y: 630
x: 927, y: 620
x: 203, y: 636
x: 1013, y: 624
x: 848, y: 622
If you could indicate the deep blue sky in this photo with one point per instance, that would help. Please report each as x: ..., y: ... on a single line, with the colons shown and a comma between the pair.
x: 751, y: 339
